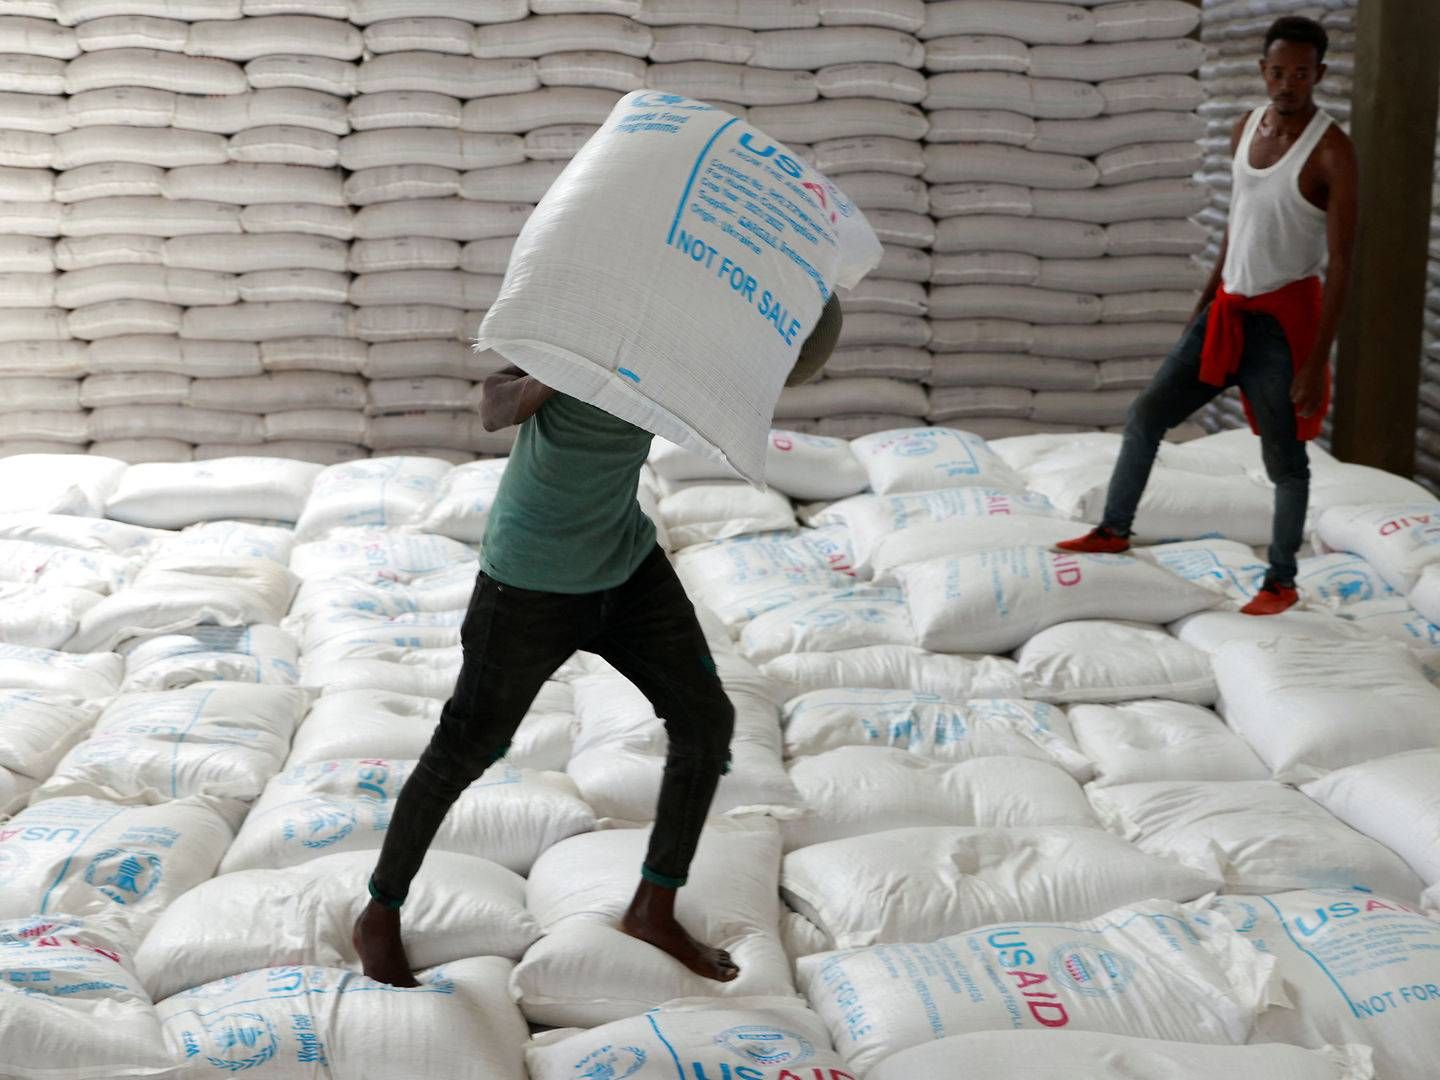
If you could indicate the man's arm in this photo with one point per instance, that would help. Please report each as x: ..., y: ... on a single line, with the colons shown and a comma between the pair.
x: 1341, y: 174
x: 511, y: 397
x: 1213, y: 285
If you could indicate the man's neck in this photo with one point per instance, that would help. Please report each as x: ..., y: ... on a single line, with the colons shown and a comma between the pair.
x: 1293, y: 124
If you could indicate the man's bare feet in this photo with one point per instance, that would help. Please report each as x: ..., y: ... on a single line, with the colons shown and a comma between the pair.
x: 651, y: 918
x: 377, y: 939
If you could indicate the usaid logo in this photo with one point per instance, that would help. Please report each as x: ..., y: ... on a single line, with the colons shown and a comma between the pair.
x: 766, y: 1045
x: 124, y: 876
x: 610, y: 1063
x: 1091, y: 970
x: 240, y: 1041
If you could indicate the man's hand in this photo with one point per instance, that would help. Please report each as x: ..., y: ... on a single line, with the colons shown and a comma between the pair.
x: 1307, y: 390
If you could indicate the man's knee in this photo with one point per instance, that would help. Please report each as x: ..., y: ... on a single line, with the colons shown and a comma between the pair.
x: 1146, y: 418
x: 1286, y: 464
x: 707, y: 736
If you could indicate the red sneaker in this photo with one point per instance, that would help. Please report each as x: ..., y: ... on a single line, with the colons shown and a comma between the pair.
x: 1271, y: 600
x: 1098, y: 541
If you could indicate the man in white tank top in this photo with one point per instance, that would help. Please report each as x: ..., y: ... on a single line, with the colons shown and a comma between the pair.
x: 1264, y: 322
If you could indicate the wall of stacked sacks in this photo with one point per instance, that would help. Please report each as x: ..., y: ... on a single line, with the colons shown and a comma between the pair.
x: 1233, y: 32
x: 271, y: 226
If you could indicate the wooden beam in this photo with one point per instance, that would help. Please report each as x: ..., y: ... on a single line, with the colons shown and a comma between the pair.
x: 1392, y: 120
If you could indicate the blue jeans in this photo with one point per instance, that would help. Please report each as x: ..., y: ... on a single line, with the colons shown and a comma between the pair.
x: 1265, y: 375
x: 513, y: 640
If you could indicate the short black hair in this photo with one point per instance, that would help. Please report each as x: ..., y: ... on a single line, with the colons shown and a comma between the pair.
x: 1299, y: 31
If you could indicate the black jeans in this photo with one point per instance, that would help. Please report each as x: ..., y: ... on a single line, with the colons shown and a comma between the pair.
x: 515, y: 639
x: 1265, y: 375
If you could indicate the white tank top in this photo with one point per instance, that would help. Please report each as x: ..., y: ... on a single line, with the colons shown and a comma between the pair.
x: 1276, y: 235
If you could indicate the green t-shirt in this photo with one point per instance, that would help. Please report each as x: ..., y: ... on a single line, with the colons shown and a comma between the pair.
x: 566, y: 519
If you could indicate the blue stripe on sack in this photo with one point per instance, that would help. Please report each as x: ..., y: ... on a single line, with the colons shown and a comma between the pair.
x: 628, y: 374
x: 679, y: 1069
x: 685, y: 195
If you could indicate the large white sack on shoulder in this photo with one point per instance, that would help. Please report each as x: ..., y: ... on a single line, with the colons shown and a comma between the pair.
x: 994, y: 601
x: 1296, y: 699
x: 1399, y: 539
x: 508, y: 815
x: 42, y: 616
x: 830, y: 621
x: 74, y: 1006
x: 1189, y: 987
x: 723, y: 510
x: 651, y: 379
x: 923, y: 459
x: 1266, y: 837
x: 872, y: 519
x: 1092, y: 660
x: 858, y: 790
x: 172, y: 495
x: 813, y: 466
x: 461, y: 508
x: 672, y: 462
x: 585, y: 971
x: 944, y: 539
x: 1356, y: 968
x: 897, y: 667
x: 358, y: 550
x: 458, y: 906
x: 746, y: 1038
x: 920, y: 884
x: 222, y: 740
x: 377, y: 491
x: 90, y: 856
x: 229, y: 539
x: 1052, y: 1055
x: 291, y: 1018
x: 37, y: 728
x: 177, y: 592
x: 1146, y: 741
x: 241, y: 654
x: 931, y: 728
x: 76, y: 484
x: 1394, y: 800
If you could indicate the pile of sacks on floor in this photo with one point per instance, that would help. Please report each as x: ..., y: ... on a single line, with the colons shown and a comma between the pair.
x: 989, y: 803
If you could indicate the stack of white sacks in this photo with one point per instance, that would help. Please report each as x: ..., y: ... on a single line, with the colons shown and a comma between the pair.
x: 270, y: 226
x: 983, y: 795
x: 1234, y: 35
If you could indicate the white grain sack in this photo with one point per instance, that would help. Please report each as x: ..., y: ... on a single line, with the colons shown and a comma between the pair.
x: 1392, y: 800
x: 1195, y: 989
x: 1099, y: 661
x: 93, y: 676
x: 731, y: 902
x: 243, y: 654
x: 1144, y: 741
x: 169, y: 496
x: 458, y: 906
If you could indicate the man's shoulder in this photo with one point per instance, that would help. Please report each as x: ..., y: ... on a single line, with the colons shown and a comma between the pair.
x: 1335, y: 151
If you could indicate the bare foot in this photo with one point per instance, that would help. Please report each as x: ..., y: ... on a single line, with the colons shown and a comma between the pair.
x: 651, y: 918
x: 377, y: 939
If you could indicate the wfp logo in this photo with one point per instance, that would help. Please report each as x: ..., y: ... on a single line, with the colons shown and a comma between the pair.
x: 1090, y: 970
x: 610, y: 1063
x: 766, y: 1045
x: 321, y: 826
x: 913, y: 447
x: 240, y: 1041
x: 124, y: 876
x: 1347, y: 586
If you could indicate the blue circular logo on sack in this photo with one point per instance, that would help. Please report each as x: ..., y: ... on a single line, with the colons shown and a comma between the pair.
x: 610, y: 1063
x: 123, y: 875
x: 240, y: 1041
x: 914, y: 446
x: 1091, y: 970
x: 766, y: 1045
x: 321, y: 826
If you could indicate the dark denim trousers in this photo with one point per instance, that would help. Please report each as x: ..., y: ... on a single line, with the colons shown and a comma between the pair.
x: 1265, y: 375
x: 515, y: 639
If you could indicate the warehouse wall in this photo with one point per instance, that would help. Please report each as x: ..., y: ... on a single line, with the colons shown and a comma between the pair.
x: 237, y: 226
